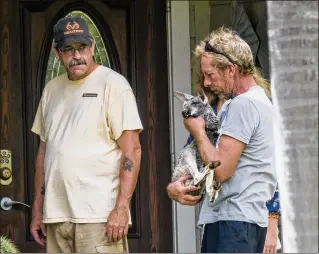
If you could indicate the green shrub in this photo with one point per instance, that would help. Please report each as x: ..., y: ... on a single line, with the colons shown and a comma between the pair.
x: 7, y: 246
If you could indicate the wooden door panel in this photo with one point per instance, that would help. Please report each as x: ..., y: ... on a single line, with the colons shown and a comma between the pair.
x: 138, y: 43
x: 151, y: 72
x: 11, y: 132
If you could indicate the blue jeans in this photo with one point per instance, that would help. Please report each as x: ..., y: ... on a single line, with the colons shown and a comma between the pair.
x: 233, y: 237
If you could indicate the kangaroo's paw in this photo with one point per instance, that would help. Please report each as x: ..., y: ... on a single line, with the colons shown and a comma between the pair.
x: 201, y: 177
x: 214, y: 164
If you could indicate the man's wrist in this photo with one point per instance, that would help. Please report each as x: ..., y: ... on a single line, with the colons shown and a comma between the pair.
x: 37, y: 214
x: 37, y: 207
x: 199, y: 136
x: 273, y: 219
x: 122, y: 204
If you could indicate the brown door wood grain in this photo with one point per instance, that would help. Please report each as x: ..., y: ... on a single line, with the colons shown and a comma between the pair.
x: 134, y: 33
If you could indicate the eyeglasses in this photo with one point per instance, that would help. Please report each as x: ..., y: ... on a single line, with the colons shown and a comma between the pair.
x: 210, y: 48
x: 69, y: 51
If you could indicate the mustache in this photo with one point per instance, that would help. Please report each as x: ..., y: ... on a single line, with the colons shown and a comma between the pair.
x: 77, y: 62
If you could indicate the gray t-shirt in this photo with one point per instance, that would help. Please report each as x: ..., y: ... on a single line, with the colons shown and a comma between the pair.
x: 248, y: 118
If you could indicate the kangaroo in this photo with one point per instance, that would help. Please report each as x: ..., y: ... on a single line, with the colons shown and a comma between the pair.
x: 189, y: 161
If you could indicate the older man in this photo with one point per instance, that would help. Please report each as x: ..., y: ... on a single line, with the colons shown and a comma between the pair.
x: 89, y: 155
x: 237, y: 220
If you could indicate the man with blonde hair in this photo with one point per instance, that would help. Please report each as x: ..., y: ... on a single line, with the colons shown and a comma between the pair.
x: 237, y: 220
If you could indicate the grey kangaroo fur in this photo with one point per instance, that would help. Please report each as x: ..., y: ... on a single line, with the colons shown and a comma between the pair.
x: 189, y: 160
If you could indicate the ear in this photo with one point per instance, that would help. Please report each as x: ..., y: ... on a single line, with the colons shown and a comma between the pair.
x: 56, y: 53
x: 183, y: 96
x: 231, y: 70
x: 200, y: 91
x: 92, y: 48
x: 202, y: 94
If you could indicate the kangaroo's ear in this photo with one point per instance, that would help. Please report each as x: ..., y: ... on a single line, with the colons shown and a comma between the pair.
x: 202, y: 95
x: 183, y: 96
x: 200, y: 91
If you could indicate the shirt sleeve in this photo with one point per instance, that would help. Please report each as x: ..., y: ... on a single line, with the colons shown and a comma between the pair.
x: 273, y: 205
x: 38, y: 126
x: 241, y: 120
x: 123, y: 114
x: 189, y: 139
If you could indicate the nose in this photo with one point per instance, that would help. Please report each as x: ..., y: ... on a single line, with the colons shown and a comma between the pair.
x: 186, y: 113
x: 76, y: 54
x: 206, y: 82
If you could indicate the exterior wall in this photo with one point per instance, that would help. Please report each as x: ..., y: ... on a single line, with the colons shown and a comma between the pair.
x: 179, y: 61
x: 188, y: 23
x: 199, y: 28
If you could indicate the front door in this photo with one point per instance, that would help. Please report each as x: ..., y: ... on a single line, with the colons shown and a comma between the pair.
x: 131, y: 39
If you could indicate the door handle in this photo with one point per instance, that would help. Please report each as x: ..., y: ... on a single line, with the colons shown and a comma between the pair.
x: 6, y: 204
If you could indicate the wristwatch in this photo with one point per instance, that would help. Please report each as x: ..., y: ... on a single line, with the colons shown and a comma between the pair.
x: 275, y: 215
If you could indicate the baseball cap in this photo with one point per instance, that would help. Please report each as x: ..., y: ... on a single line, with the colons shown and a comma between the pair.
x: 69, y: 30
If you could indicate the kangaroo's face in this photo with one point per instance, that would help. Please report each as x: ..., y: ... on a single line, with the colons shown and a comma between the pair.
x: 193, y: 106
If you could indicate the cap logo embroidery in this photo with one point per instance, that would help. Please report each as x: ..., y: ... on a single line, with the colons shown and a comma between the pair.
x: 74, y: 28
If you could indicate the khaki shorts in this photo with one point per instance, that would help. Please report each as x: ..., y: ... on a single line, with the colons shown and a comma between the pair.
x: 78, y: 238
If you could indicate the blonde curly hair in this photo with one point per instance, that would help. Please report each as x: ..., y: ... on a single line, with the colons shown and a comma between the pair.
x: 234, y: 50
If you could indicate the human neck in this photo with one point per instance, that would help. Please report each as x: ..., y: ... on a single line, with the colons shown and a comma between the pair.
x: 243, y: 83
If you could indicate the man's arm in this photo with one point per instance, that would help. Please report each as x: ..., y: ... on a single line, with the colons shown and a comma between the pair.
x: 39, y: 191
x: 131, y: 158
x: 273, y: 207
x: 39, y: 188
x: 271, y: 236
x: 117, y: 224
x: 228, y: 152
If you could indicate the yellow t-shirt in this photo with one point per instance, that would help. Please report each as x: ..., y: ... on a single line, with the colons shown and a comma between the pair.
x: 80, y: 122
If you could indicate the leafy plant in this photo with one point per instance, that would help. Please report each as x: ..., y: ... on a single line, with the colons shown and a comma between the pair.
x: 7, y: 246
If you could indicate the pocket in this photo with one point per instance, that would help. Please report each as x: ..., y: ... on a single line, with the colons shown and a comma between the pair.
x: 111, y: 247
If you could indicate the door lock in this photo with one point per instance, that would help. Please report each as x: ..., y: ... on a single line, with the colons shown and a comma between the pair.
x: 5, y: 167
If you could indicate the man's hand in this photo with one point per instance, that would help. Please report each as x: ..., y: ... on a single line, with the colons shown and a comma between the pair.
x: 195, y: 125
x: 37, y: 229
x: 271, y: 236
x: 117, y: 224
x: 178, y: 191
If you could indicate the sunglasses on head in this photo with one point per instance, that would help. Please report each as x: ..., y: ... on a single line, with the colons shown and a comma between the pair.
x: 210, y: 48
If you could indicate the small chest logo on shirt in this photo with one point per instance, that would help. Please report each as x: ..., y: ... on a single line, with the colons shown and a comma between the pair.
x: 89, y: 95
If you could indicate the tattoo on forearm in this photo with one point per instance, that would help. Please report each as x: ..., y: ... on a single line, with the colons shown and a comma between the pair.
x: 127, y: 164
x: 43, y: 189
